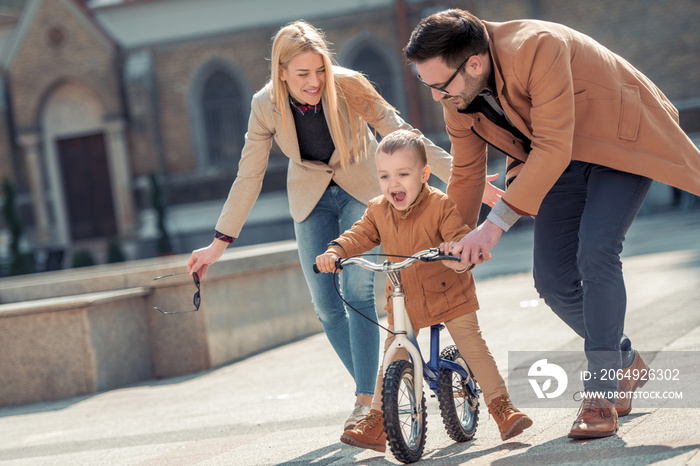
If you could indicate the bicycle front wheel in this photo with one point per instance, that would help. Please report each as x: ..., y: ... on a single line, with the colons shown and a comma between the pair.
x: 459, y: 408
x: 404, y: 415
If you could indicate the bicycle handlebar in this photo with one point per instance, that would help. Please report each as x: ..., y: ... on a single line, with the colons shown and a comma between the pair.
x: 427, y: 255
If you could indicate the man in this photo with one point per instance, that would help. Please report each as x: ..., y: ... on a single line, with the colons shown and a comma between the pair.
x: 584, y: 131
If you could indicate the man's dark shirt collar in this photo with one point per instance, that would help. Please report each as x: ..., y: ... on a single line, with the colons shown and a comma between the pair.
x: 491, y: 84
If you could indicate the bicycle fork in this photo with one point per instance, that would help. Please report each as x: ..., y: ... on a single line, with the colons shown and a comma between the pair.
x: 404, y: 336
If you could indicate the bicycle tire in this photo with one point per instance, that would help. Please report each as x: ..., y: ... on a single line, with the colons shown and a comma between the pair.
x: 404, y: 416
x: 459, y: 408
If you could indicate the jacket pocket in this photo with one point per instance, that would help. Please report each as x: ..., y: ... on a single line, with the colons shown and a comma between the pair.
x: 443, y: 292
x: 630, y: 112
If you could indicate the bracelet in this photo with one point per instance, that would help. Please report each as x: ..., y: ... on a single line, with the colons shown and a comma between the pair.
x: 223, y: 237
x: 467, y: 268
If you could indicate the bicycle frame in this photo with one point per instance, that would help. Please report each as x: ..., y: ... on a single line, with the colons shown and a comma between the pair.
x: 431, y: 369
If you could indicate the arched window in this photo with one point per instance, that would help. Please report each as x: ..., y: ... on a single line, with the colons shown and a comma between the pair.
x: 366, y: 59
x: 224, y: 115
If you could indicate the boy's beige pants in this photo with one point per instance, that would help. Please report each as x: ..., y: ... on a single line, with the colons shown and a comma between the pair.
x: 467, y: 337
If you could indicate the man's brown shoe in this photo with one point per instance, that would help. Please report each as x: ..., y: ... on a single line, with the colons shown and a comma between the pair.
x: 633, y: 377
x: 369, y: 433
x: 511, y: 422
x: 596, y: 418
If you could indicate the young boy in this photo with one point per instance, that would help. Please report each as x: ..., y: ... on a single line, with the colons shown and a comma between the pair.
x: 411, y: 216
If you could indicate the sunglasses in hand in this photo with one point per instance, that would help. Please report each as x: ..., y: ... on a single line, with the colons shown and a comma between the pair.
x: 197, y: 295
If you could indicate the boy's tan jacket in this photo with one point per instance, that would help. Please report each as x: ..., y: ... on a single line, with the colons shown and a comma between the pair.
x: 307, y: 180
x: 575, y: 100
x: 434, y: 293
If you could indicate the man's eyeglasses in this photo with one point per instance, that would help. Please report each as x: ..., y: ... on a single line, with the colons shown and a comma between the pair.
x: 443, y: 89
x: 197, y: 294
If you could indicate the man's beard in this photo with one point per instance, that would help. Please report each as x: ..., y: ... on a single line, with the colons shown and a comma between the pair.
x: 474, y: 87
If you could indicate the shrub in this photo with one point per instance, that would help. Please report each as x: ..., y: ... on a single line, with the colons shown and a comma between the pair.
x: 114, y: 252
x: 83, y: 258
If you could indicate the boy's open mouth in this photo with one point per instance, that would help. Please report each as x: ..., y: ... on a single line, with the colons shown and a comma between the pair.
x: 398, y: 196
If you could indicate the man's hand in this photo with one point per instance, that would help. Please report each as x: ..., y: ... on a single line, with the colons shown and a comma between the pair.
x: 326, y: 262
x: 475, y: 248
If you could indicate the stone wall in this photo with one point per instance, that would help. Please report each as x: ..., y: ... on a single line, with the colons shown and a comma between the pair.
x: 79, y: 331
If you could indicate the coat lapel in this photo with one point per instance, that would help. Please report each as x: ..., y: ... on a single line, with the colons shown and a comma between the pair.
x: 516, y: 119
x: 286, y: 137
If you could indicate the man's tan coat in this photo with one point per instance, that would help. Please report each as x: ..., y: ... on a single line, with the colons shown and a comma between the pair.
x: 574, y: 99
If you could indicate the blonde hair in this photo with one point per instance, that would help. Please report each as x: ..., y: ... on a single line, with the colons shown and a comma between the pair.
x: 403, y: 138
x: 342, y: 85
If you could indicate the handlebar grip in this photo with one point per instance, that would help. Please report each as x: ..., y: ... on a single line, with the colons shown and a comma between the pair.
x: 441, y: 257
x: 337, y: 266
x: 450, y: 257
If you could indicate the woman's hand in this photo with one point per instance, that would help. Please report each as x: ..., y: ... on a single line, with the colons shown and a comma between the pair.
x: 491, y: 193
x: 326, y: 262
x: 201, y: 259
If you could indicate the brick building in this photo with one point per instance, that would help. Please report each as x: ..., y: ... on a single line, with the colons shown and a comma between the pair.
x: 101, y: 97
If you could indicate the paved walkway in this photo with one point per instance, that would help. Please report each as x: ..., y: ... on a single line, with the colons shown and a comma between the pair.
x: 286, y: 406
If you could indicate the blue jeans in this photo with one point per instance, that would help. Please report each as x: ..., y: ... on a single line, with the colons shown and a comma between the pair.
x: 354, y: 338
x: 579, y: 232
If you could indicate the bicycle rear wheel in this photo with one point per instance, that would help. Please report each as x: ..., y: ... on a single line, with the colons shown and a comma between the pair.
x: 459, y: 408
x: 404, y: 415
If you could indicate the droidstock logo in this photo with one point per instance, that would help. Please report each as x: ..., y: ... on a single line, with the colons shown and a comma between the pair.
x: 541, y: 369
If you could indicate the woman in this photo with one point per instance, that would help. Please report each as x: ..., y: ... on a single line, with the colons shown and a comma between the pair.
x: 318, y: 113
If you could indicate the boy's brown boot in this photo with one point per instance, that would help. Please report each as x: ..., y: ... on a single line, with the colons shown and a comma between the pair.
x: 369, y: 433
x: 511, y: 422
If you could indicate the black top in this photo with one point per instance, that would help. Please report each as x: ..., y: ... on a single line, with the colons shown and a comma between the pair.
x: 315, y: 141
